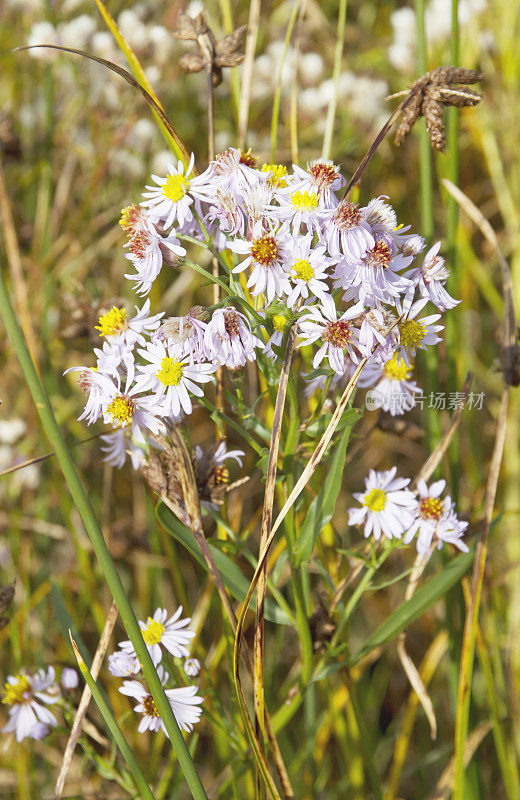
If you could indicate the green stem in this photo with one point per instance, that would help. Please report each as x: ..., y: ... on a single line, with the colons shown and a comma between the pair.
x: 113, y: 727
x: 95, y: 535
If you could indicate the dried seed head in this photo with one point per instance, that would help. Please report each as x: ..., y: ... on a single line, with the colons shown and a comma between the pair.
x: 430, y: 94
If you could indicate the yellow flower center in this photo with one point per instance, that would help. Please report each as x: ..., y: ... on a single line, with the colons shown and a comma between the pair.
x: 175, y: 187
x: 412, y: 333
x: 153, y: 632
x: 264, y: 250
x: 279, y: 322
x: 277, y: 174
x: 149, y: 706
x: 304, y: 200
x: 397, y: 370
x: 122, y: 410
x: 430, y: 508
x: 303, y: 270
x: 170, y: 372
x: 129, y: 216
x: 14, y: 692
x: 113, y: 322
x: 375, y: 500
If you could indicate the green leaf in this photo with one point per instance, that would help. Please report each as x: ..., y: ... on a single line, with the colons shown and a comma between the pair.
x: 232, y: 578
x: 435, y: 588
x: 322, y: 507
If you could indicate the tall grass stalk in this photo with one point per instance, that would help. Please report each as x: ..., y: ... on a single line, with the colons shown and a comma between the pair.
x: 338, y: 55
x: 278, y: 91
x: 95, y: 535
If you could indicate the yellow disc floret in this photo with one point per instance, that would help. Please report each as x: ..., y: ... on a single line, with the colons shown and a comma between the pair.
x: 279, y: 322
x: 122, y: 410
x: 175, y: 187
x: 277, y: 175
x: 264, y: 250
x: 170, y: 372
x: 14, y: 692
x: 307, y: 201
x: 153, y: 632
x: 113, y: 322
x: 430, y: 507
x: 149, y: 706
x: 303, y: 270
x: 397, y: 370
x: 375, y: 500
x: 412, y: 333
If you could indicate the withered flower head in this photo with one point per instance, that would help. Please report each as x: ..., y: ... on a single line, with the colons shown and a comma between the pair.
x: 431, y: 93
x: 211, y: 53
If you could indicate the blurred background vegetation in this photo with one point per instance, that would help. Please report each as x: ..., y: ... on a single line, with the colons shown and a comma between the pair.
x: 77, y: 144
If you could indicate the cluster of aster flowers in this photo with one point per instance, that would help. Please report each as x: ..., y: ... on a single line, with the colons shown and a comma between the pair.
x: 160, y: 633
x: 290, y: 246
x: 390, y: 509
x: 28, y: 696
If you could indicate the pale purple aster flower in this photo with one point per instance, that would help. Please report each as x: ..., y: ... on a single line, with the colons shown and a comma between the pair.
x: 347, y: 232
x: 435, y: 518
x: 228, y: 339
x: 170, y: 199
x: 373, y: 279
x: 173, y: 634
x: 184, y: 701
x: 27, y: 696
x: 322, y: 177
x: 122, y: 663
x: 172, y: 377
x: 416, y: 333
x: 393, y: 390
x: 339, y: 335
x: 387, y: 506
x: 117, y: 446
x: 225, y: 218
x: 430, y: 279
x: 308, y: 266
x: 69, y: 678
x: 266, y: 253
x: 95, y: 385
x: 186, y: 333
x: 232, y: 171
x: 148, y: 252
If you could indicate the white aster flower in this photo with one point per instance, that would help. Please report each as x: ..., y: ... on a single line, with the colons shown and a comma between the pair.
x: 192, y: 667
x: 321, y: 177
x: 266, y: 253
x: 435, y: 519
x: 117, y: 445
x: 122, y: 663
x: 430, y: 279
x: 416, y: 333
x: 172, y: 377
x: 233, y: 172
x: 69, y: 678
x: 171, y: 199
x: 393, y: 390
x: 308, y: 267
x: 184, y: 701
x: 122, y: 408
x: 228, y: 339
x: 339, y: 335
x: 297, y: 206
x: 26, y: 695
x: 126, y: 333
x: 186, y: 333
x: 387, y: 506
x: 173, y: 634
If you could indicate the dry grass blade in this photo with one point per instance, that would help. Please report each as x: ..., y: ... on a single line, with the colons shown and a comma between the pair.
x: 85, y: 700
x: 445, y: 782
x: 152, y: 102
x: 427, y: 670
x: 14, y: 261
x: 267, y: 515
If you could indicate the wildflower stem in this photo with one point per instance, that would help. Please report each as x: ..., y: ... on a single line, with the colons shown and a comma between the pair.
x: 95, y: 535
